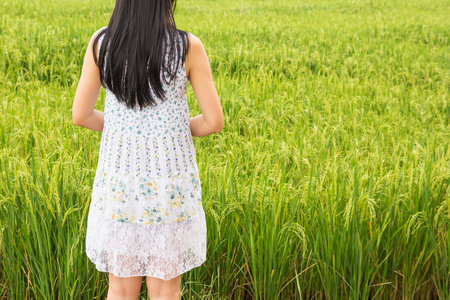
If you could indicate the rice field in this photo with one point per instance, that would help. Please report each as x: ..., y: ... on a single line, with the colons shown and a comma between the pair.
x: 330, y: 179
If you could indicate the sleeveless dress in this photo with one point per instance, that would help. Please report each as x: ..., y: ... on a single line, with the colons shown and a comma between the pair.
x: 146, y: 216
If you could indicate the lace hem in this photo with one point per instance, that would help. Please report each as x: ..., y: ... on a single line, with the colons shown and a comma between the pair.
x: 131, y: 249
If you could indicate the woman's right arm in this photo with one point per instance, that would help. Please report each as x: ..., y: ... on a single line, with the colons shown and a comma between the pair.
x: 198, y: 70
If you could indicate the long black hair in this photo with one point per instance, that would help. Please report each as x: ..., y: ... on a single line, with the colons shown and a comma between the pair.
x: 139, y: 37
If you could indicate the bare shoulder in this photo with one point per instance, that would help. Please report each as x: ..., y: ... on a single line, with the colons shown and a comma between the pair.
x: 195, y: 48
x: 93, y: 37
x: 194, y: 41
x: 195, y: 54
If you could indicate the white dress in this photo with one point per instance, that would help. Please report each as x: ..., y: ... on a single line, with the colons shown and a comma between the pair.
x: 146, y: 216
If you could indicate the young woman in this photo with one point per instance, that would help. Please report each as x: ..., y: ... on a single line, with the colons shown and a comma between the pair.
x: 146, y: 216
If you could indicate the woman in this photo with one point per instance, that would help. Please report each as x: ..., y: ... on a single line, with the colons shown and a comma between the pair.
x: 146, y: 216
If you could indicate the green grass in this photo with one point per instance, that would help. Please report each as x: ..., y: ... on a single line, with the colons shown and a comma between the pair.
x: 330, y: 179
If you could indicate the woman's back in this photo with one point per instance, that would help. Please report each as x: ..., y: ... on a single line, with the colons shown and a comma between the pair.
x: 150, y: 145
x: 146, y: 216
x: 170, y: 115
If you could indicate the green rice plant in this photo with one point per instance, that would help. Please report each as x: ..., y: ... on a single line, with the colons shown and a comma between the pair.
x: 330, y: 179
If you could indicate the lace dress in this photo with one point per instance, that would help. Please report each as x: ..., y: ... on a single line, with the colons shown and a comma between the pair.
x: 146, y: 216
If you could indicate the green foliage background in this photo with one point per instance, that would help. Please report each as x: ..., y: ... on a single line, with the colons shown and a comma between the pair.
x: 330, y: 179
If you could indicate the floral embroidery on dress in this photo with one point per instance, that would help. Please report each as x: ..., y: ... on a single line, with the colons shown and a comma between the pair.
x: 152, y: 215
x: 147, y: 188
x: 175, y: 194
x: 182, y: 216
x: 155, y: 200
x: 121, y: 216
x: 195, y: 181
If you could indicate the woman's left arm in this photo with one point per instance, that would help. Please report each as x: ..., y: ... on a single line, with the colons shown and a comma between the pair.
x: 83, y: 112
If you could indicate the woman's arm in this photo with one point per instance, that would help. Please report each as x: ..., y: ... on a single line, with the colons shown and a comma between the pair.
x: 83, y: 112
x: 199, y: 73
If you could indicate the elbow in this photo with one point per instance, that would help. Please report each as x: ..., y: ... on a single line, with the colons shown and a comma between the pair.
x: 214, y: 123
x: 77, y: 120
x: 219, y: 126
